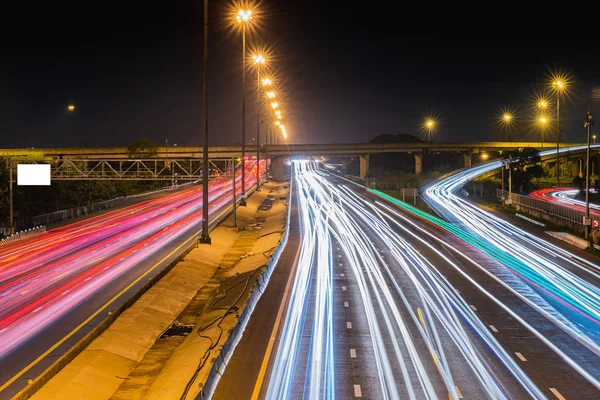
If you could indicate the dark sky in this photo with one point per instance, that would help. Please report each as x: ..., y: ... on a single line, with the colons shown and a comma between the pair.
x: 346, y: 73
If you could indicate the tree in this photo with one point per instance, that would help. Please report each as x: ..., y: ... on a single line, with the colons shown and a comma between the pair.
x: 526, y: 165
x: 142, y: 148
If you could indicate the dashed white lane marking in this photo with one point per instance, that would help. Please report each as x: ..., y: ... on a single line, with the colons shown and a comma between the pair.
x: 337, y: 248
x: 357, y: 391
x: 341, y: 265
x: 344, y: 288
x: 352, y: 353
x: 339, y: 256
x: 473, y: 307
x: 342, y: 275
x: 346, y: 305
x: 521, y: 357
x: 458, y: 393
x: 494, y: 329
x: 557, y: 394
x: 348, y: 325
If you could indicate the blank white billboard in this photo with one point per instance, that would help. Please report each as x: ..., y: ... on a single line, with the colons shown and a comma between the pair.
x: 33, y: 174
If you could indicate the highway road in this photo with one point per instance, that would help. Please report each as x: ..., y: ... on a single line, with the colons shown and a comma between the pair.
x: 565, y: 196
x: 57, y: 286
x: 386, y: 303
x: 559, y: 284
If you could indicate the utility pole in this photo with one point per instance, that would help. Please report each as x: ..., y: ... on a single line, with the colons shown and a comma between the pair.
x: 234, y: 194
x: 9, y: 163
x: 508, y: 166
x: 205, y: 237
x: 502, y: 170
x: 557, y: 138
x: 587, y: 222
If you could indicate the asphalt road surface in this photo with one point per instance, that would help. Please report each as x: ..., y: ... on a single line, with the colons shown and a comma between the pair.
x: 57, y: 286
x: 382, y: 303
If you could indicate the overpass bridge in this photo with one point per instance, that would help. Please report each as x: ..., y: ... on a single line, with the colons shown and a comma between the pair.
x: 278, y: 152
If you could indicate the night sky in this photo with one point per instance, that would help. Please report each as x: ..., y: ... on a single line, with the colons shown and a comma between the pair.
x: 347, y: 74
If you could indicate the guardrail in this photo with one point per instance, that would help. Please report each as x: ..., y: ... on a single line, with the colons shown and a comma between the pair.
x: 545, y: 208
x: 22, y: 234
x: 64, y: 215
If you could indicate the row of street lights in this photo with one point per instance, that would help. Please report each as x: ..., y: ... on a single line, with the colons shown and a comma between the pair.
x: 243, y: 18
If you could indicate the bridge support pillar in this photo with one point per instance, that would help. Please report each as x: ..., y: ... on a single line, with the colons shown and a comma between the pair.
x: 418, y: 163
x: 364, y: 165
x: 277, y: 164
x: 345, y: 164
x: 467, y: 159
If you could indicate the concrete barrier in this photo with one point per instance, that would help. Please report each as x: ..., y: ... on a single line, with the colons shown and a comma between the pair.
x: 571, y: 239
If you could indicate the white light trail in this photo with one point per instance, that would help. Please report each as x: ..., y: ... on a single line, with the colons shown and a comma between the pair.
x: 432, y: 309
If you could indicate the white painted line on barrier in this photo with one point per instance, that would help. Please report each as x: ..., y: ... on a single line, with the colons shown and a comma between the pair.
x: 494, y: 329
x: 473, y: 307
x: 521, y: 357
x: 557, y: 394
x: 458, y: 393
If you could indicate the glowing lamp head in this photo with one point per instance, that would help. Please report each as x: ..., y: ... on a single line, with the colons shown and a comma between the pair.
x: 507, y: 117
x: 267, y: 81
x: 278, y: 113
x: 429, y: 124
x: 258, y: 59
x: 275, y: 105
x: 71, y: 108
x: 271, y: 95
x: 244, y: 16
x: 542, y: 104
x: 277, y: 123
x: 559, y: 84
x: 543, y: 120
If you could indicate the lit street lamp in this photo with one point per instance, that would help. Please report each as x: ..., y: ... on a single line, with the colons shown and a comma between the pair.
x: 429, y: 126
x: 259, y: 60
x: 543, y: 121
x: 71, y: 110
x: 559, y: 85
x: 594, y: 137
x: 243, y: 18
x: 507, y: 121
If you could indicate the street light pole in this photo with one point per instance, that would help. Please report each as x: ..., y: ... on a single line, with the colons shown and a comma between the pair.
x: 243, y: 197
x: 557, y: 137
x: 257, y: 127
x: 587, y: 222
x: 234, y: 196
x: 502, y: 170
x: 10, y: 195
x: 205, y: 237
x: 509, y: 201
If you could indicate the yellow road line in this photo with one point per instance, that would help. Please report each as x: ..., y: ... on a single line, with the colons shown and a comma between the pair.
x: 95, y: 314
x: 265, y: 363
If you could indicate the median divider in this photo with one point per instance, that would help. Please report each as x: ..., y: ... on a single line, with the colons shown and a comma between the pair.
x: 222, y: 359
